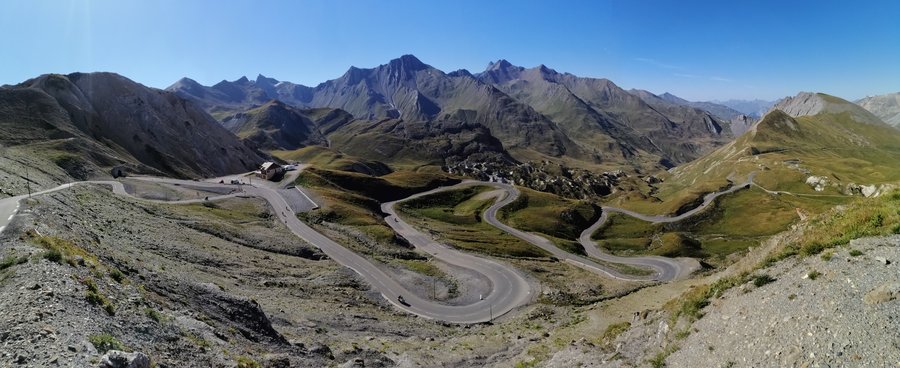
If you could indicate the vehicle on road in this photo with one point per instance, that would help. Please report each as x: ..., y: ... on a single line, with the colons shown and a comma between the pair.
x: 401, y: 300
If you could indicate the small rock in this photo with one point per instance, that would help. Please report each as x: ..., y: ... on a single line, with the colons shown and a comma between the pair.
x: 883, y: 260
x: 121, y: 359
x: 73, y: 348
x: 884, y: 293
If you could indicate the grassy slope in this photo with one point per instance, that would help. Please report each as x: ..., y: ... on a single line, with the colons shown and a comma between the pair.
x: 833, y: 145
x: 735, y: 222
x: 559, y: 219
x: 455, y: 216
x: 327, y: 158
x: 353, y: 199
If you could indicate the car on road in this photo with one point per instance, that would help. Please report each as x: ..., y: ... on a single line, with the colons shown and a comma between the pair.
x: 401, y: 300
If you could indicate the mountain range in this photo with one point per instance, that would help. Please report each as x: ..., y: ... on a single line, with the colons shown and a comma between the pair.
x: 406, y: 109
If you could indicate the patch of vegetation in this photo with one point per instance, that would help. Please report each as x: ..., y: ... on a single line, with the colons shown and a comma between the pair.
x: 454, y: 216
x: 247, y: 362
x: 394, y: 186
x: 105, y: 342
x: 549, y: 214
x: 53, y: 255
x: 855, y: 252
x: 60, y: 250
x: 12, y: 260
x: 117, y: 275
x: 659, y: 360
x: 691, y: 303
x: 826, y: 256
x: 95, y: 297
x: 613, y: 331
x: 153, y: 314
x: 862, y: 217
x: 232, y: 210
x: 198, y: 341
x: 812, y: 275
x: 761, y: 280
x: 330, y: 159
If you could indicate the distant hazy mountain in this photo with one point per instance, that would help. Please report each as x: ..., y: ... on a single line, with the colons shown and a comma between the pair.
x: 721, y: 111
x: 737, y: 122
x: 886, y: 107
x: 534, y: 113
x: 753, y: 108
x: 241, y: 93
x: 97, y: 120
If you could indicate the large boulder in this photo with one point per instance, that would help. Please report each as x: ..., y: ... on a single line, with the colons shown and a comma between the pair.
x: 121, y: 359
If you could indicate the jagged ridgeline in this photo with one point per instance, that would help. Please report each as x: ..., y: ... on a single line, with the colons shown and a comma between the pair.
x: 406, y: 111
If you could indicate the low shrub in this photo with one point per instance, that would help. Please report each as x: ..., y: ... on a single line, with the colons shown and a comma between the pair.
x: 105, y: 342
x: 762, y: 280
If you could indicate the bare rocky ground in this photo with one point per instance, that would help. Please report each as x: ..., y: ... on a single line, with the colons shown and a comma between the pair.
x: 211, y: 285
x: 840, y: 312
x: 817, y: 311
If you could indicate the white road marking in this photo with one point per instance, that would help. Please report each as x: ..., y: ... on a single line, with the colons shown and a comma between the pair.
x: 1, y: 228
x: 307, y: 198
x: 10, y: 217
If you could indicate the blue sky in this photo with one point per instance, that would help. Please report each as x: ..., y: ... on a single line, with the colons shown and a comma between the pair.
x: 698, y: 50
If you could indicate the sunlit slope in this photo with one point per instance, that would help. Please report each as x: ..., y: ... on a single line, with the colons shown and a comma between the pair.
x: 784, y: 152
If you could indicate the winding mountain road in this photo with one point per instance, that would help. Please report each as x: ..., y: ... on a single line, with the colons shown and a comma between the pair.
x: 591, y: 248
x: 663, y: 271
x: 510, y: 289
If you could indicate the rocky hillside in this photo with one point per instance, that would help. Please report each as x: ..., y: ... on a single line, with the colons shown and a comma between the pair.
x: 275, y: 125
x: 86, y: 123
x: 886, y: 107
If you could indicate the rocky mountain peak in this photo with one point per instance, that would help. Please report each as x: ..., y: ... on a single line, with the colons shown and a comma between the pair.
x: 407, y: 62
x: 460, y: 73
x: 242, y: 80
x: 261, y: 79
x: 546, y: 70
x: 501, y: 64
x: 809, y: 103
x: 804, y: 103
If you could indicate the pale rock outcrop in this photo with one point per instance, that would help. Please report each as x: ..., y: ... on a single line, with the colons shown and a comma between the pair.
x: 817, y: 182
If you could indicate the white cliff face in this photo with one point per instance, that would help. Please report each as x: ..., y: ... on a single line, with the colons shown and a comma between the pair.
x: 803, y: 104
